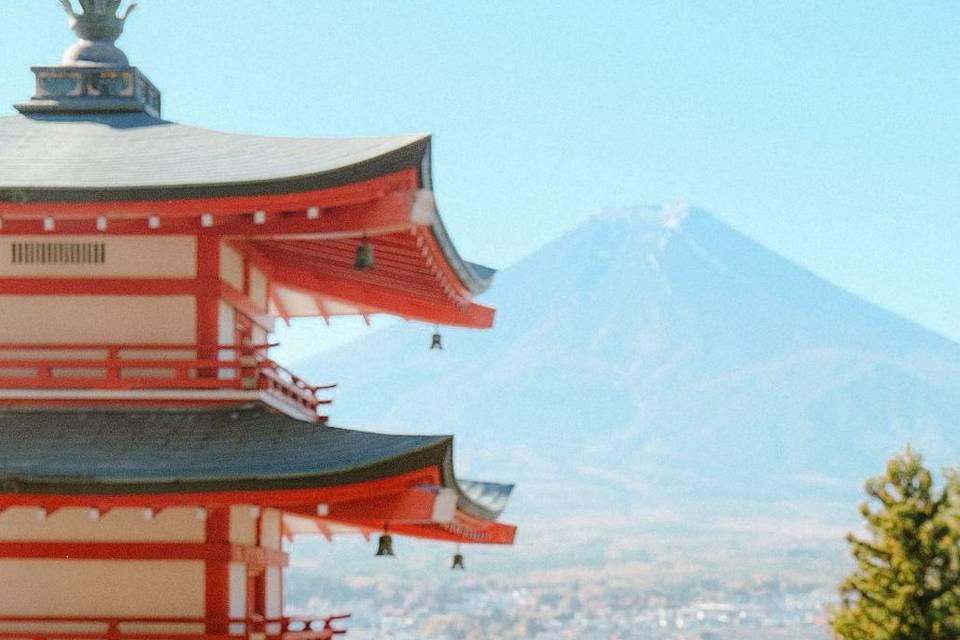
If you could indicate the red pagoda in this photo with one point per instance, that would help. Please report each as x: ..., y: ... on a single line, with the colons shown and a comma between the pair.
x: 153, y: 458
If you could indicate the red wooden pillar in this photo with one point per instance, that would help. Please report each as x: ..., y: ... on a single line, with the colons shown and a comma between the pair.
x: 217, y: 574
x: 208, y: 299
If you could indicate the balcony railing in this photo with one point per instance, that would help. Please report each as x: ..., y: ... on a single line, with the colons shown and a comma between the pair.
x: 155, y: 367
x: 90, y: 628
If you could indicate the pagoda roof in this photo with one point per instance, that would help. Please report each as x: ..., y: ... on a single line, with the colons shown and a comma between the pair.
x: 135, y: 156
x: 110, y: 452
x: 317, y: 198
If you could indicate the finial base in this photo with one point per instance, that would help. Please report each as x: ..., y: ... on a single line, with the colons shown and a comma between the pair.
x: 92, y: 89
x: 95, y: 53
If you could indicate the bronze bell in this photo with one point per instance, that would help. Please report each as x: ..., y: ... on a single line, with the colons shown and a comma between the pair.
x: 385, y: 545
x: 458, y: 562
x: 363, y: 260
x: 437, y: 342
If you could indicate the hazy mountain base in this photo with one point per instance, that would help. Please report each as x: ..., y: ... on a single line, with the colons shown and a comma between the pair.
x: 689, y: 418
x: 587, y: 577
x: 664, y: 352
x: 721, y: 571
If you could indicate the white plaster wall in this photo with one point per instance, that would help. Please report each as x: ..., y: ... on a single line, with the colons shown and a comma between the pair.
x: 231, y: 266
x: 97, y: 319
x: 226, y: 334
x: 238, y: 594
x: 126, y: 257
x: 271, y: 537
x: 259, y: 336
x: 178, y: 524
x: 148, y: 588
x: 227, y: 323
x: 274, y: 577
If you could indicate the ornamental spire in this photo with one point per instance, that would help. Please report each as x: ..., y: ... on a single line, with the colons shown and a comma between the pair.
x: 95, y: 76
x: 98, y: 28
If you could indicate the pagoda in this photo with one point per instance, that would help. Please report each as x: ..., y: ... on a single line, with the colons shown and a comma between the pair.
x: 154, y: 461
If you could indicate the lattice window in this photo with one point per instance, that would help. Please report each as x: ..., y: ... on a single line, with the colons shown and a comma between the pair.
x: 58, y: 253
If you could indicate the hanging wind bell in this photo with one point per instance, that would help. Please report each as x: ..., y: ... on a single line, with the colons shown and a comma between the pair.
x: 437, y: 342
x: 458, y: 561
x: 385, y: 544
x: 363, y: 260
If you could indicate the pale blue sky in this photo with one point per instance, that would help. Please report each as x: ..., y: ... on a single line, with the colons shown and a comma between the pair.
x: 829, y: 131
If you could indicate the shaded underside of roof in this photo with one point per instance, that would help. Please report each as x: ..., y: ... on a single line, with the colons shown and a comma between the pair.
x: 112, y: 157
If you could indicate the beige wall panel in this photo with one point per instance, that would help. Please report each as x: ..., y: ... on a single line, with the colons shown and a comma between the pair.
x: 124, y: 257
x: 243, y: 524
x: 178, y: 524
x: 149, y: 588
x: 97, y: 319
x: 270, y: 534
x: 339, y: 308
x: 297, y: 303
x: 231, y: 266
x: 258, y: 287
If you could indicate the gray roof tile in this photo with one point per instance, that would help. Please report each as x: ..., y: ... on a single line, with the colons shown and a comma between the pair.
x: 135, y: 152
x: 134, y: 450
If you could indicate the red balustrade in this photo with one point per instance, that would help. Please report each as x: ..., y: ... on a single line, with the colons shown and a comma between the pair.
x: 155, y: 367
x: 90, y: 628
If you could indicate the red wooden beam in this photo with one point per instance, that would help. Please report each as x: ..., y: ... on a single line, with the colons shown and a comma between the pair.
x: 212, y: 551
x: 346, y: 195
x: 388, y: 272
x: 464, y: 528
x: 280, y: 498
x: 417, y: 505
x: 393, y: 301
x: 108, y: 286
x: 439, y: 260
x: 217, y: 571
x: 207, y: 322
x: 387, y: 214
x: 245, y: 305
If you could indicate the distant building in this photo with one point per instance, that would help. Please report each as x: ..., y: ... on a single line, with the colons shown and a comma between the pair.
x: 152, y: 457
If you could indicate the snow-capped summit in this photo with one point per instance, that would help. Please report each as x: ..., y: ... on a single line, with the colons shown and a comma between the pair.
x: 668, y: 216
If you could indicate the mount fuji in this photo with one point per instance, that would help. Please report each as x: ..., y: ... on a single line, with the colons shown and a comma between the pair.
x: 656, y: 355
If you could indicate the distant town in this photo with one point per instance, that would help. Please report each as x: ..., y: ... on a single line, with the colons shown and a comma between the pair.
x: 468, y: 608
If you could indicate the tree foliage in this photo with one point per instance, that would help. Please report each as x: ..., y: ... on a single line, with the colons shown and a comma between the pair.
x: 906, y: 585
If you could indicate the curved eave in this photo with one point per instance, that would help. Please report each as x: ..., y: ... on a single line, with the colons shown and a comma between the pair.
x: 475, y: 278
x: 242, y: 455
x: 127, y: 168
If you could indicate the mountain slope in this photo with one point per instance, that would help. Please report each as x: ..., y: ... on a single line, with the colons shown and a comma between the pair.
x: 660, y: 354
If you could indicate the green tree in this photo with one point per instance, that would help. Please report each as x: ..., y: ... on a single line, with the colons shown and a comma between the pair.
x: 906, y: 585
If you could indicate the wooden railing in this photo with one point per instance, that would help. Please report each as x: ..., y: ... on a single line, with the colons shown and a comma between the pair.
x: 154, y: 367
x: 105, y: 628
